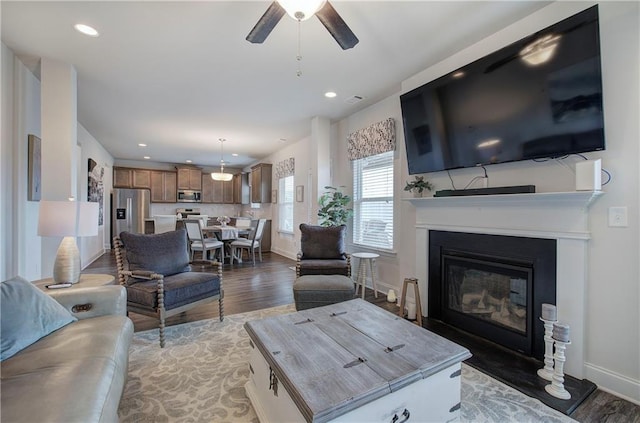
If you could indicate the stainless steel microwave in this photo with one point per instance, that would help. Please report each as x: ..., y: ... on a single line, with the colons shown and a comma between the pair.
x: 189, y: 196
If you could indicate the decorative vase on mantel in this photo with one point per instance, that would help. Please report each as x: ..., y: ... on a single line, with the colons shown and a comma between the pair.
x: 418, y: 186
x: 417, y: 193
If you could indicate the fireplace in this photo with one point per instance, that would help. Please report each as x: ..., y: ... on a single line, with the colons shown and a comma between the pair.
x: 493, y: 286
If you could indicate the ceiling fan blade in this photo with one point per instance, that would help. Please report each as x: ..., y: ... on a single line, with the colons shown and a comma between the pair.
x: 266, y: 23
x: 337, y: 27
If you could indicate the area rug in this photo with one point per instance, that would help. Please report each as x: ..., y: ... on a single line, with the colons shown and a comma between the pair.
x: 200, y: 375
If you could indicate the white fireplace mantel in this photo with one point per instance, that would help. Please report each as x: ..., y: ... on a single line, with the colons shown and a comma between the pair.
x: 562, y: 216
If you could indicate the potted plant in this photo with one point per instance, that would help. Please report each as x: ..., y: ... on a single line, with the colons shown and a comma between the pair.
x: 334, y: 210
x: 418, y: 186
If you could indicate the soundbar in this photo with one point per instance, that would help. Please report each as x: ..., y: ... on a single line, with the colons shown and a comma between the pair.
x: 519, y: 189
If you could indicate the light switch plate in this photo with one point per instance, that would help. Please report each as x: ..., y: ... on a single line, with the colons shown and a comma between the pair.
x: 618, y: 217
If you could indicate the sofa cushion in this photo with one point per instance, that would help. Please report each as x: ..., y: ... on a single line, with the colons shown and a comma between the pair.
x: 179, y: 289
x: 28, y: 314
x: 322, y: 242
x: 166, y: 253
x: 75, y: 374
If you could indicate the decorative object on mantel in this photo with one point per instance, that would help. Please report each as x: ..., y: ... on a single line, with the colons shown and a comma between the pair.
x: 418, y: 186
x: 375, y: 139
x: 549, y: 317
x: 221, y: 176
x: 561, y: 337
x: 68, y: 219
x: 333, y: 207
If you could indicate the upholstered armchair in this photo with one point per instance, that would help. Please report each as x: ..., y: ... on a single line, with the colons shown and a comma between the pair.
x: 156, y: 272
x: 323, y: 251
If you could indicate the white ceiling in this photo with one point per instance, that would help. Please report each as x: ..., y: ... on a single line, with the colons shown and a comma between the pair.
x: 180, y: 75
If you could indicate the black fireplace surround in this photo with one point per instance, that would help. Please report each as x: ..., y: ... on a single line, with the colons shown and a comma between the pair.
x: 528, y: 265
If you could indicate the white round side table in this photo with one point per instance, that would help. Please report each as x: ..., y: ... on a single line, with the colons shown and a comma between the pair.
x: 361, y: 280
x: 87, y: 280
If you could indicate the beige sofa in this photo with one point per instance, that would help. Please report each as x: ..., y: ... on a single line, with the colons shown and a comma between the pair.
x: 76, y: 373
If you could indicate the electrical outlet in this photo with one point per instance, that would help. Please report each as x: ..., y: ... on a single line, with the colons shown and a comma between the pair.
x: 618, y: 217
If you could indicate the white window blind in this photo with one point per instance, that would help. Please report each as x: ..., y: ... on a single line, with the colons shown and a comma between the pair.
x: 285, y: 204
x: 373, y: 201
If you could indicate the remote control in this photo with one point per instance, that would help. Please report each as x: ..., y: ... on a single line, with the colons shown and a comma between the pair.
x: 58, y: 285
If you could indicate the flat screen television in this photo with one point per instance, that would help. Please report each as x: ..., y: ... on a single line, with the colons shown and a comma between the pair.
x: 536, y: 98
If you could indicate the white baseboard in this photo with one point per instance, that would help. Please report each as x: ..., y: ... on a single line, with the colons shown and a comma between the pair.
x: 94, y: 258
x: 614, y: 383
x: 283, y: 253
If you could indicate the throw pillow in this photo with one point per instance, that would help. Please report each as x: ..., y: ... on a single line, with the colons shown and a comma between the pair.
x: 28, y: 314
x: 166, y: 253
x: 322, y: 242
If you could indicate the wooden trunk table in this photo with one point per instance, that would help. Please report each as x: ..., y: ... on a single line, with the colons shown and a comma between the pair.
x: 351, y: 362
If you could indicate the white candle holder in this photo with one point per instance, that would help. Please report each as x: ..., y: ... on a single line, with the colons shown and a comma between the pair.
x: 547, y: 371
x: 556, y: 387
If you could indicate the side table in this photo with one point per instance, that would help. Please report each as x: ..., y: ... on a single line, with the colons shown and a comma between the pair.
x: 362, y: 271
x: 87, y: 280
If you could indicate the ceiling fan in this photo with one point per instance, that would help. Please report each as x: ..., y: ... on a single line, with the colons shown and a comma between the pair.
x: 301, y: 11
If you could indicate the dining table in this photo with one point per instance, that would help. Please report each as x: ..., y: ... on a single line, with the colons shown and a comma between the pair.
x: 227, y: 234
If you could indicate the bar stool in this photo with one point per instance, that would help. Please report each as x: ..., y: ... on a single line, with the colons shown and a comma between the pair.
x: 403, y: 299
x: 365, y: 258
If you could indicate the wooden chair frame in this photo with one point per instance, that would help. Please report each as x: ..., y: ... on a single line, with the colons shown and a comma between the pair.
x: 159, y: 312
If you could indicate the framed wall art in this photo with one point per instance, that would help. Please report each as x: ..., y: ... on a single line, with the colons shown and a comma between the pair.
x: 300, y: 193
x: 34, y: 169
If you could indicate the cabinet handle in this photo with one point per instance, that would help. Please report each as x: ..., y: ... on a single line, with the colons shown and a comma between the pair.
x: 405, y: 414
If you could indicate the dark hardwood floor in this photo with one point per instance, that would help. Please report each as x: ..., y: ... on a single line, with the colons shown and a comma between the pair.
x: 269, y: 284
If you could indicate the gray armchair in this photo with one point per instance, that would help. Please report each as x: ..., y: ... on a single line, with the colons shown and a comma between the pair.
x: 323, y: 251
x: 156, y: 272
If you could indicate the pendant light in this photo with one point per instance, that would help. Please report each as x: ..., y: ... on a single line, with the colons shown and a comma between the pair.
x: 221, y: 176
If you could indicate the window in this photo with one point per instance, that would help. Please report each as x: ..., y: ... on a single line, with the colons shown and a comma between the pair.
x: 285, y: 204
x: 373, y: 201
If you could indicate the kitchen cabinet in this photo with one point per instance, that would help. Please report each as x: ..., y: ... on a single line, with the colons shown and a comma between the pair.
x: 261, y: 183
x: 241, y: 188
x: 189, y: 178
x: 216, y: 192
x: 124, y: 177
x: 163, y: 186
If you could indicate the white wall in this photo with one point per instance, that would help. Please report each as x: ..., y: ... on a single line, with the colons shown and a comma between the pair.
x: 613, y: 294
x: 21, y: 115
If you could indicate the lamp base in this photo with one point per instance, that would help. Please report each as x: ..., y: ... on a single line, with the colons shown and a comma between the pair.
x: 66, y: 268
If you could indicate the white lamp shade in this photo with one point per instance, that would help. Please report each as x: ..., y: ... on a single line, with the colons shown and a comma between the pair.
x: 68, y: 218
x: 221, y: 176
x: 301, y: 9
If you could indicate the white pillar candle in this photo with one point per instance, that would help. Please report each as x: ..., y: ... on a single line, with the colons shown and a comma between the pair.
x: 549, y: 312
x: 411, y: 311
x: 561, y: 332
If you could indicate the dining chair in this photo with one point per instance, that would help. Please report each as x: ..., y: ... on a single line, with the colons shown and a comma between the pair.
x: 250, y: 244
x: 199, y: 242
x: 164, y: 223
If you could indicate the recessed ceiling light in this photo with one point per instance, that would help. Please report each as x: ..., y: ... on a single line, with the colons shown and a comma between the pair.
x: 86, y: 30
x: 283, y: 140
x: 458, y: 74
x: 142, y: 145
x: 189, y: 161
x: 330, y: 94
x: 234, y: 154
x: 147, y: 157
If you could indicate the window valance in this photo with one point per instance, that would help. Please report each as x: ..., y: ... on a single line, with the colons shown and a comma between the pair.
x: 374, y: 139
x: 285, y: 168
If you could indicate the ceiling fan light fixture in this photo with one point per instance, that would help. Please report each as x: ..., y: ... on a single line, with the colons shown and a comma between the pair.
x: 301, y: 10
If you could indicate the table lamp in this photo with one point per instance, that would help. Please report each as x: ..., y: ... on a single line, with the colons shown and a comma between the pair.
x: 68, y: 219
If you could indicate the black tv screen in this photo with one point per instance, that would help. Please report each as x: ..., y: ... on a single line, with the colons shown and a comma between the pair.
x: 536, y: 98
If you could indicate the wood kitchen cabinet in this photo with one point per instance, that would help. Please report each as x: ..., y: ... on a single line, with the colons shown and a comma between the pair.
x: 163, y: 186
x: 241, y: 188
x: 216, y: 192
x: 261, y: 183
x: 189, y: 178
x: 124, y: 177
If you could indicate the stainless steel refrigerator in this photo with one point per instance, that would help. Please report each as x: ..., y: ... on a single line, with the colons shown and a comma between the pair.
x: 129, y: 209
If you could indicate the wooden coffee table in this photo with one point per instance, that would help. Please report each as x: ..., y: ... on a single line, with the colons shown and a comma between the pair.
x: 351, y: 361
